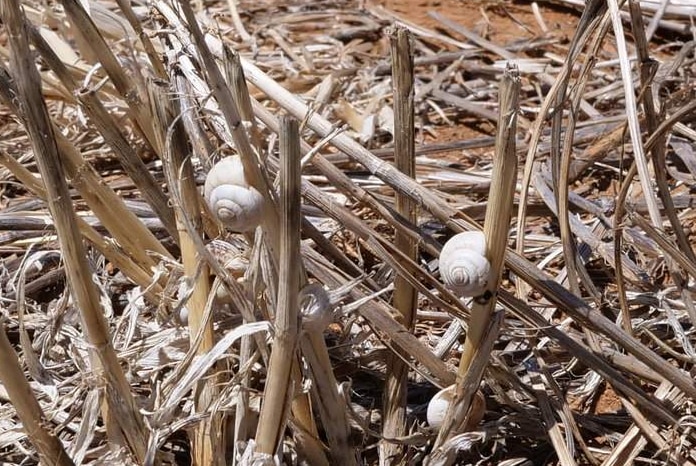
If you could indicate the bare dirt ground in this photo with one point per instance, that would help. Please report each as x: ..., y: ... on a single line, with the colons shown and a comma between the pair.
x: 501, y: 22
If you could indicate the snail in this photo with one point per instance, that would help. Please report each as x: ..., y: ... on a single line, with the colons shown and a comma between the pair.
x: 437, y: 408
x: 233, y: 201
x: 316, y: 307
x: 463, y: 264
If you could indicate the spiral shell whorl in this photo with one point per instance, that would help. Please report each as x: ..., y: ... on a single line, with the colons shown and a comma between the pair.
x: 232, y: 200
x: 464, y: 267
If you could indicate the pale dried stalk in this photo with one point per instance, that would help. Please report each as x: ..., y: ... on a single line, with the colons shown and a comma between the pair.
x: 310, y: 446
x: 169, y: 136
x: 565, y: 412
x: 48, y: 446
x: 121, y: 222
x: 641, y: 160
x: 561, y: 155
x: 121, y: 404
x: 586, y: 25
x: 148, y: 46
x: 405, y: 295
x: 99, y: 116
x: 279, y: 389
x: 556, y: 294
x: 590, y: 359
x: 332, y: 406
x: 496, y: 230
x: 467, y: 386
x: 559, y: 442
x: 636, y: 438
x: 105, y: 246
x: 648, y: 68
x: 671, y: 250
x: 561, y: 161
x: 240, y: 92
x: 237, y: 21
x: 201, y: 146
x: 650, y: 431
x: 237, y: 84
x: 305, y: 432
x: 252, y: 168
x: 238, y: 87
x: 126, y: 85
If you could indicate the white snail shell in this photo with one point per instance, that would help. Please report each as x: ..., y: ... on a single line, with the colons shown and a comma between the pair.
x: 316, y: 307
x: 463, y: 264
x: 437, y: 408
x: 234, y: 202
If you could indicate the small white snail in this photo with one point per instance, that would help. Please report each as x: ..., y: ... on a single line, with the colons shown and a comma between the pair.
x: 238, y: 205
x: 316, y: 307
x: 463, y: 264
x: 437, y: 408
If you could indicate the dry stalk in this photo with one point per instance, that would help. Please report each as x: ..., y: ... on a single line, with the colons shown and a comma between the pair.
x: 122, y: 407
x: 556, y: 95
x: 121, y: 222
x: 563, y: 445
x: 251, y: 164
x: 237, y: 83
x: 561, y: 155
x: 125, y: 85
x: 99, y: 116
x: 47, y: 445
x: 637, y: 436
x: 331, y: 404
x: 650, y: 431
x: 250, y: 161
x: 496, y: 230
x: 672, y: 251
x: 201, y: 146
x: 170, y: 138
x: 106, y: 247
x: 405, y: 295
x: 561, y: 162
x: 604, y: 368
x: 136, y: 24
x: 565, y: 412
x: 301, y: 408
x: 237, y: 21
x: 279, y: 390
x: 632, y: 116
x: 648, y: 69
x: 553, y: 292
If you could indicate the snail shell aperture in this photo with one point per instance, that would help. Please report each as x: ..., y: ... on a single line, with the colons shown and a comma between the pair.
x: 464, y: 267
x: 234, y: 202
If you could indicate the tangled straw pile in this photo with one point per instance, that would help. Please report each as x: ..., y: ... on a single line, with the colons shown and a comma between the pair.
x: 138, y: 329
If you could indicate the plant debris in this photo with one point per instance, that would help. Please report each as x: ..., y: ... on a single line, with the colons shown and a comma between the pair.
x: 136, y: 329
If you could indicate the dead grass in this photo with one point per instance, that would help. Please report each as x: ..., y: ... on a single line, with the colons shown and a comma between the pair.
x: 136, y: 330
